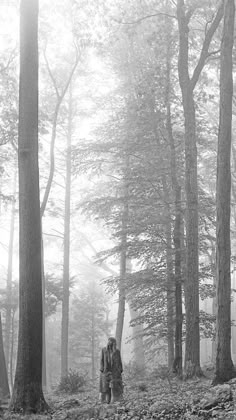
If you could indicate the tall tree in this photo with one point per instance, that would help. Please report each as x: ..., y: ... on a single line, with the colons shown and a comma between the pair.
x: 123, y: 261
x: 60, y: 92
x: 187, y: 85
x: 176, y: 187
x: 66, y: 262
x: 27, y: 392
x: 224, y: 364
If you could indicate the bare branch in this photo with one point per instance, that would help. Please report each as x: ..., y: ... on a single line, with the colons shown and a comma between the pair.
x: 102, y: 263
x: 14, y: 146
x: 213, y: 55
x: 204, y: 52
x: 53, y: 235
x: 70, y: 75
x: 50, y: 73
x: 190, y: 13
x: 143, y: 18
x: 9, y: 61
x: 54, y: 130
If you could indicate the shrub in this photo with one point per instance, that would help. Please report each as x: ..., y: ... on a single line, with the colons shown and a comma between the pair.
x: 132, y: 371
x: 73, y: 382
x: 142, y: 387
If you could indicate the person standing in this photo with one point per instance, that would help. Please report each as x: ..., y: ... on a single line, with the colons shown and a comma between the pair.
x: 111, y: 387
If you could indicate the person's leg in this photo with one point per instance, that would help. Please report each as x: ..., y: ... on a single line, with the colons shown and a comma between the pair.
x: 117, y: 390
x: 108, y: 396
x: 113, y: 399
x: 103, y: 397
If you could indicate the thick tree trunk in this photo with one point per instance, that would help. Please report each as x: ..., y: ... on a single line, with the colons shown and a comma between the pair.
x: 4, y: 387
x: 9, y: 278
x: 66, y: 262
x: 187, y: 85
x: 27, y: 392
x: 224, y: 364
x: 192, y: 346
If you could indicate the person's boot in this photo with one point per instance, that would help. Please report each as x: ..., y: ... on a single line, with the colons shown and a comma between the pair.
x: 108, y: 396
x: 103, y: 397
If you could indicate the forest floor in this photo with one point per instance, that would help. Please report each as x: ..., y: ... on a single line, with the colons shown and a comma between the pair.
x: 144, y: 399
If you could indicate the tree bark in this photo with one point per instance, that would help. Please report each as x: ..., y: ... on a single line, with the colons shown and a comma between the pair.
x: 224, y: 364
x: 187, y: 85
x: 27, y: 392
x: 66, y: 262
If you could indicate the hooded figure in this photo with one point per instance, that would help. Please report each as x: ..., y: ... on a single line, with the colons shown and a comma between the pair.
x: 111, y: 387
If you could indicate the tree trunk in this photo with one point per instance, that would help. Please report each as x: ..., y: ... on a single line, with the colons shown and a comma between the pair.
x: 4, y: 387
x: 123, y: 257
x: 27, y: 392
x: 178, y: 362
x: 176, y: 188
x: 192, y: 346
x: 44, y: 367
x: 60, y: 98
x: 9, y: 278
x: 212, y: 262
x: 187, y: 85
x: 122, y: 294
x: 138, y: 348
x: 66, y: 263
x: 170, y: 287
x: 224, y: 364
x: 93, y: 347
x: 12, y: 348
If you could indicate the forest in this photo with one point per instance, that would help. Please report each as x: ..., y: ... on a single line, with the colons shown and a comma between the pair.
x: 117, y: 209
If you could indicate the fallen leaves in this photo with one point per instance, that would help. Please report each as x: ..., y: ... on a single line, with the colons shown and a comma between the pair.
x: 146, y: 399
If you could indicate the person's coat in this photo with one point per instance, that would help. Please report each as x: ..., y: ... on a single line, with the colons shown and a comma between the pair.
x: 111, y: 369
x: 111, y: 362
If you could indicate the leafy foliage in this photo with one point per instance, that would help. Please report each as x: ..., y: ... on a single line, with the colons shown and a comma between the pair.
x: 73, y: 382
